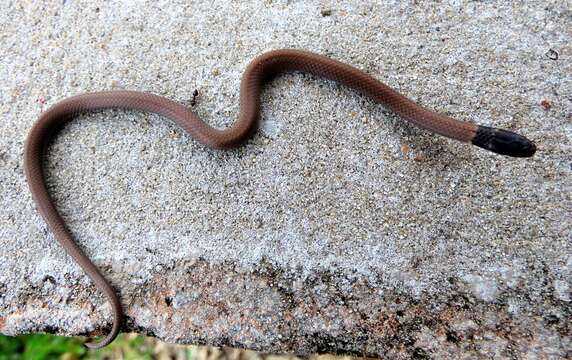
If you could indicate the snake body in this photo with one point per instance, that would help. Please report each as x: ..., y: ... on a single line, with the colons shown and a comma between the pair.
x: 260, y: 70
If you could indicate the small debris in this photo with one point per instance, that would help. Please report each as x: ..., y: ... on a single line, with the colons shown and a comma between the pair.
x: 326, y: 12
x: 546, y: 104
x: 49, y: 278
x: 552, y: 54
x: 419, y: 158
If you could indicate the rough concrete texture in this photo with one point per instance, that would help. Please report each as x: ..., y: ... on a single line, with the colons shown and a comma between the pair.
x: 337, y: 227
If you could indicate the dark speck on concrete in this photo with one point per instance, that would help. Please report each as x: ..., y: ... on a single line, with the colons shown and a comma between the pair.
x: 552, y: 54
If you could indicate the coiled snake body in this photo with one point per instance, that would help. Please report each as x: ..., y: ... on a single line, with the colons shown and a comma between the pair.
x: 257, y: 73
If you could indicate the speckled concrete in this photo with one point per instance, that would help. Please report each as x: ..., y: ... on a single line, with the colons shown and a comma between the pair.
x: 337, y: 227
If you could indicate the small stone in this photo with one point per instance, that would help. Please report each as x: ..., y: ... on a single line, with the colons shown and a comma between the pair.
x: 552, y: 54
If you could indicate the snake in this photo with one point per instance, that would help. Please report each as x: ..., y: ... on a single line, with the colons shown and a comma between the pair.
x: 259, y: 71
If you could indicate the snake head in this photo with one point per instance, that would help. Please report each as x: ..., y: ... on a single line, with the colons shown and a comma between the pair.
x: 503, y: 142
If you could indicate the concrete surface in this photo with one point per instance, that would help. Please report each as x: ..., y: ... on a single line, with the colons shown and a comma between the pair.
x: 337, y: 227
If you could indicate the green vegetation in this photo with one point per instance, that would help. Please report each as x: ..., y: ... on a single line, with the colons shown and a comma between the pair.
x: 126, y: 346
x: 38, y: 347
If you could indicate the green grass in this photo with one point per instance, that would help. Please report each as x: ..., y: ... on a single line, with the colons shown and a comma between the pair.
x: 40, y: 347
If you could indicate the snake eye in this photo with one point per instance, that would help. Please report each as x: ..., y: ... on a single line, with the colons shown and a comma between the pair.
x: 503, y: 142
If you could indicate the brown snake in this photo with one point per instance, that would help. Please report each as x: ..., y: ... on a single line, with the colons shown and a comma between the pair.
x: 260, y: 70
